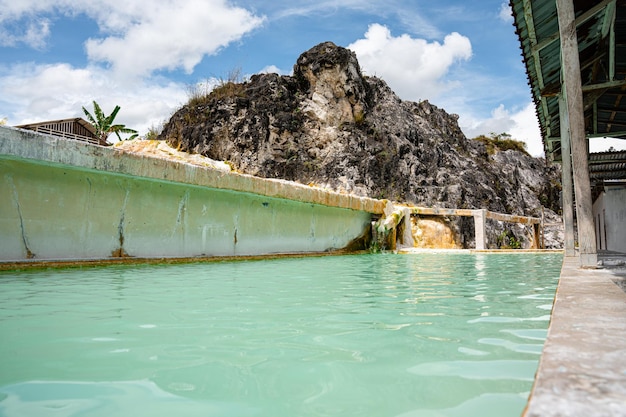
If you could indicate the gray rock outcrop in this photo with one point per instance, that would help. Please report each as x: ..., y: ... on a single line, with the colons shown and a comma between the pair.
x: 331, y: 126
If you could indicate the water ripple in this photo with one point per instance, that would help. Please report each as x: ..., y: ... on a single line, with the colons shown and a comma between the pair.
x: 368, y: 335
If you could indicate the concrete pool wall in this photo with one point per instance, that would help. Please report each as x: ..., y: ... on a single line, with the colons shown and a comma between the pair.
x: 63, y: 199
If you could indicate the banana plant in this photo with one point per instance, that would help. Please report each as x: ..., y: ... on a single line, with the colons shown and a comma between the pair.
x: 103, y: 125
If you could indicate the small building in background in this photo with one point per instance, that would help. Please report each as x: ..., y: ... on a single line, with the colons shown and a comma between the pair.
x: 77, y: 129
x: 608, y: 174
x: 609, y: 213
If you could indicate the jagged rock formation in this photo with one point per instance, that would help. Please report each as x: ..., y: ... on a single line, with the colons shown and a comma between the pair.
x: 331, y: 126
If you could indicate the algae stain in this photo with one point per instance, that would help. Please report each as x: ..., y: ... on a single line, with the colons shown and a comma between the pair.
x: 120, y: 252
x: 235, y: 228
x: 29, y: 253
x: 182, y: 208
x: 181, y: 214
x: 204, y: 230
x: 312, y: 228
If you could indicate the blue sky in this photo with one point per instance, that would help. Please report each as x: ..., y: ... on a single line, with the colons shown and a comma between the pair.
x: 59, y: 55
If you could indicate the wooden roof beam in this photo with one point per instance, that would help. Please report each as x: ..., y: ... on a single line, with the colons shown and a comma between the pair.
x: 580, y: 20
x: 604, y: 86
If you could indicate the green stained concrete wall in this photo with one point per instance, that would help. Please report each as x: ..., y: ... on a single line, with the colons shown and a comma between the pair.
x: 52, y: 211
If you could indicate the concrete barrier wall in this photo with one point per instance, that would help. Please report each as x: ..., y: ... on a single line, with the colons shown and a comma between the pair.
x: 68, y: 200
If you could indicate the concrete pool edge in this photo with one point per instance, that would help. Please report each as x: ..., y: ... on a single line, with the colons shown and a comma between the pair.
x: 582, y: 369
x: 96, y: 262
x: 41, y: 148
x: 472, y: 251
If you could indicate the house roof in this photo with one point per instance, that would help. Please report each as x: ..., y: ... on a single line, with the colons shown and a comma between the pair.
x: 601, y: 32
x: 84, y: 123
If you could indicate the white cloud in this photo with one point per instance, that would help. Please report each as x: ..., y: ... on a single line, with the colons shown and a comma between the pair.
x: 137, y: 38
x: 521, y: 125
x: 27, y: 21
x: 499, y: 122
x: 33, y: 34
x: 505, y: 14
x: 526, y: 129
x: 36, y: 33
x: 412, y: 16
x: 170, y: 35
x: 39, y: 93
x: 413, y: 68
x: 272, y: 69
x: 604, y: 144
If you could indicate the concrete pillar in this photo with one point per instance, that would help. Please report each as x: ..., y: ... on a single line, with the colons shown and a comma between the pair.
x: 406, y: 238
x: 570, y: 64
x: 566, y: 178
x: 480, y: 228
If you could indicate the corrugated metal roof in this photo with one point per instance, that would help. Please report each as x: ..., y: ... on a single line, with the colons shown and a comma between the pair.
x: 78, y: 120
x: 607, y: 166
x: 601, y: 31
x: 76, y: 128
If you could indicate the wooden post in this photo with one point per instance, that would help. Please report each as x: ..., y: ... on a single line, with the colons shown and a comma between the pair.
x: 570, y: 63
x: 566, y: 178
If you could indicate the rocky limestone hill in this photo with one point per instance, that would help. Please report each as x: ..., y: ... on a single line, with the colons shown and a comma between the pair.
x: 331, y: 126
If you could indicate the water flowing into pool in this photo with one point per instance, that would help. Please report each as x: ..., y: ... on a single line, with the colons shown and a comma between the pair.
x: 365, y: 335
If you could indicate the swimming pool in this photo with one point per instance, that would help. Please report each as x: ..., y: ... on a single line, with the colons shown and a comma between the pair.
x: 365, y: 335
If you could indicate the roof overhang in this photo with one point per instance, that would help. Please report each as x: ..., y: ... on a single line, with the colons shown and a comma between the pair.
x: 601, y: 32
x: 77, y: 120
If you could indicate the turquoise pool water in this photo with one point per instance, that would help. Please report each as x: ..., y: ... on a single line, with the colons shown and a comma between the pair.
x: 369, y: 335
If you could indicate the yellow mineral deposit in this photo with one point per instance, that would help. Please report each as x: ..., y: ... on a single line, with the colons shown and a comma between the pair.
x: 433, y: 233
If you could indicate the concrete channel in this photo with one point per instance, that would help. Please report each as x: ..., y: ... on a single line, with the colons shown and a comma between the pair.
x: 67, y: 199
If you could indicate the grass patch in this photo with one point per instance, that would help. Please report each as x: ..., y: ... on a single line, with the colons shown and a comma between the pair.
x: 501, y: 142
x: 231, y: 86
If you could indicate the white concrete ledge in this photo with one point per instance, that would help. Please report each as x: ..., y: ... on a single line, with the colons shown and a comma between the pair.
x: 582, y: 371
x: 19, y: 143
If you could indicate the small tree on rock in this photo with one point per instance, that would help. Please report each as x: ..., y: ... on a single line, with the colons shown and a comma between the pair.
x: 104, y: 126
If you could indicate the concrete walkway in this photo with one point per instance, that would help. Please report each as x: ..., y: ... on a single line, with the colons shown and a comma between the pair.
x: 582, y: 371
